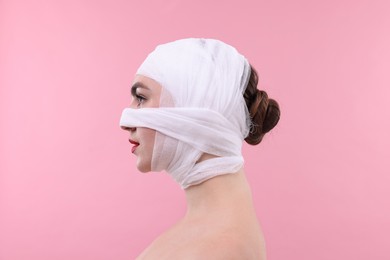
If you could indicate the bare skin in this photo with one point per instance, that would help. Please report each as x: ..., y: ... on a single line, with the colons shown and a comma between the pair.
x: 220, y: 222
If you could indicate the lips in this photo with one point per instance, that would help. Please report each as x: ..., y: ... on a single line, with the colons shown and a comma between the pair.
x: 135, y: 145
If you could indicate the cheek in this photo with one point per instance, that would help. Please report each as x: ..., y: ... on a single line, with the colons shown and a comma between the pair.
x: 146, y: 137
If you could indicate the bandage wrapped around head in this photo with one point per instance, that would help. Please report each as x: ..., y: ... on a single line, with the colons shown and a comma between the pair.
x: 202, y: 109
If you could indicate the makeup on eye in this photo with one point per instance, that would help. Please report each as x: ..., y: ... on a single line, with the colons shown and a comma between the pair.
x: 136, y: 86
x: 135, y: 89
x: 140, y: 98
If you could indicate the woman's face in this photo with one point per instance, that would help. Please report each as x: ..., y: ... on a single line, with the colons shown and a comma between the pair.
x: 145, y: 93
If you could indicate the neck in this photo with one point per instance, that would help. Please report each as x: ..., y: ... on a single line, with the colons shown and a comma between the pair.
x: 220, y: 195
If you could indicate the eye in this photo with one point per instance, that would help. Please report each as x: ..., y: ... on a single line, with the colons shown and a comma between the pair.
x: 140, y: 99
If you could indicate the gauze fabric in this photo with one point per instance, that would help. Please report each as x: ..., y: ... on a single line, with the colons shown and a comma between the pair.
x: 202, y: 109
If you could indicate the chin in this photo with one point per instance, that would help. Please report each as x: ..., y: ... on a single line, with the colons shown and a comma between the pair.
x: 143, y: 170
x: 143, y: 167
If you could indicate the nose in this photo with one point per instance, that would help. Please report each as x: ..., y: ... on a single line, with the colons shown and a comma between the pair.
x: 126, y: 128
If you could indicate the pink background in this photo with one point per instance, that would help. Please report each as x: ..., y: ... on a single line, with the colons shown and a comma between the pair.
x: 68, y: 185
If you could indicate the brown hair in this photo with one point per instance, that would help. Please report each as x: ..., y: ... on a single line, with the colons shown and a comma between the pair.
x: 264, y: 112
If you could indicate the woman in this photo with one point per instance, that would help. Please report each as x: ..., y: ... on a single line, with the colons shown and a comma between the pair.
x: 194, y: 102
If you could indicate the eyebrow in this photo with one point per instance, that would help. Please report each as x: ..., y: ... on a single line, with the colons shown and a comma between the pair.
x: 137, y: 85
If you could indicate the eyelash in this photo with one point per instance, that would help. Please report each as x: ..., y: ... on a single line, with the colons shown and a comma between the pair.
x: 140, y: 99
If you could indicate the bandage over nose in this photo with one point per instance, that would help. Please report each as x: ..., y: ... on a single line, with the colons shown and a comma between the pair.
x: 202, y: 109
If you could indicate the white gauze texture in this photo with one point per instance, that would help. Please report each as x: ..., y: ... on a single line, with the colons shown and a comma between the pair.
x: 202, y: 109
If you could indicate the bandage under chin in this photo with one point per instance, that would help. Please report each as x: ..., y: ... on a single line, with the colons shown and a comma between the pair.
x: 202, y: 109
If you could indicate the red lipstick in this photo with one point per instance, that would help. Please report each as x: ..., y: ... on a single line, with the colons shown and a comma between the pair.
x: 135, y: 145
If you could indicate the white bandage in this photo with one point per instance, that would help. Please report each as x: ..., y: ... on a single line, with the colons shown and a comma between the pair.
x: 202, y: 109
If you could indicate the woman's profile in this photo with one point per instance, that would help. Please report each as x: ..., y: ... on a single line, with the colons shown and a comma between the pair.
x: 194, y: 102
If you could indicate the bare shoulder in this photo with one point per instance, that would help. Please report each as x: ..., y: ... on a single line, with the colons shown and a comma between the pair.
x: 198, y: 242
x: 226, y: 246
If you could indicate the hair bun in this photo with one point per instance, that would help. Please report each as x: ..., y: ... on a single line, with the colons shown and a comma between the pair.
x: 264, y: 112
